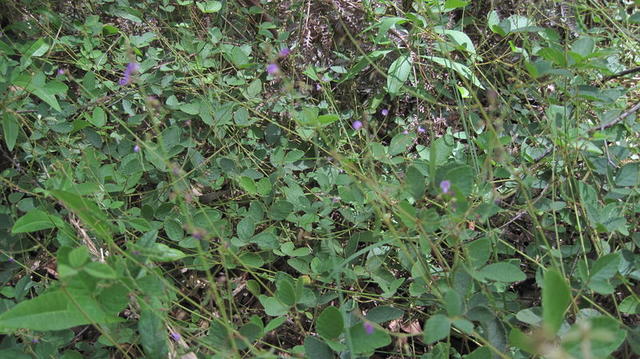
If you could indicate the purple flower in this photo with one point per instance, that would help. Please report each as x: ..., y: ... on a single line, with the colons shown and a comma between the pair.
x: 11, y: 260
x: 445, y: 186
x: 405, y: 132
x: 35, y: 340
x: 284, y: 52
x: 60, y: 72
x: 132, y: 68
x: 368, y: 327
x: 384, y: 112
x: 273, y: 69
x: 357, y: 124
x: 175, y: 336
x: 421, y: 129
x: 136, y: 148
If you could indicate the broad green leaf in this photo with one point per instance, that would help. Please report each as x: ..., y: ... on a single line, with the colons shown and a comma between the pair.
x: 436, y: 328
x: 383, y: 313
x: 99, y: 117
x: 209, y: 6
x: 173, y: 229
x: 55, y: 310
x: 10, y: 129
x: 453, y: 303
x: 273, y: 306
x: 248, y: 184
x: 36, y: 220
x: 630, y: 305
x: 38, y: 86
x: 324, y: 120
x: 163, y: 253
x: 605, y: 267
x: 461, y: 69
x: 493, y: 22
x: 246, y: 228
x: 584, y: 46
x: 461, y: 39
x: 88, y: 212
x: 503, y: 272
x: 628, y: 175
x: 454, y: 4
x: 364, y: 341
x: 78, y: 256
x: 100, y: 270
x: 315, y: 348
x: 330, y: 324
x: 398, y: 74
x: 556, y: 297
x: 399, y: 144
x: 286, y: 293
x: 38, y: 48
x: 153, y: 334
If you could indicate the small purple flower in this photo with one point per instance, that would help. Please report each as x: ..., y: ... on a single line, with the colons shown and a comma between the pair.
x: 421, y: 129
x: 405, y: 132
x: 273, y: 69
x: 132, y: 68
x: 357, y: 124
x: 11, y: 260
x: 368, y: 327
x: 136, y: 148
x: 35, y: 341
x: 284, y: 52
x: 175, y: 336
x: 384, y: 112
x: 60, y: 72
x: 445, y: 186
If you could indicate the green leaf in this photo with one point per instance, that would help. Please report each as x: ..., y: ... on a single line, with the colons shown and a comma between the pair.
x: 248, y: 184
x: 78, y: 257
x: 454, y: 4
x: 153, y: 335
x: 99, y: 117
x: 315, y: 348
x: 436, y: 328
x: 11, y: 129
x: 556, y: 297
x: 630, y: 305
x: 100, y: 270
x: 54, y: 310
x: 398, y: 74
x: 36, y: 220
x: 246, y: 228
x: 383, y: 313
x: 210, y: 6
x: 629, y: 175
x: 503, y: 272
x: 273, y: 306
x: 363, y: 342
x: 330, y: 324
x: 605, y: 267
x: 173, y: 229
x: 453, y: 303
x: 324, y: 120
x: 461, y: 69
x: 286, y: 293
x: 88, y: 212
x: 37, y: 49
x: 399, y: 144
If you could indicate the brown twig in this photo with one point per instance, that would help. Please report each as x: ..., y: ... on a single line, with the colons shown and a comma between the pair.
x: 616, y: 120
x: 621, y: 73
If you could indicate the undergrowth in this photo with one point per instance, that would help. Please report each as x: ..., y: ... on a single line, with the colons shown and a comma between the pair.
x: 319, y: 178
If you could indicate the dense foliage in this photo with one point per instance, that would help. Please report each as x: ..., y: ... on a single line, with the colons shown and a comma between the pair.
x: 319, y: 178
